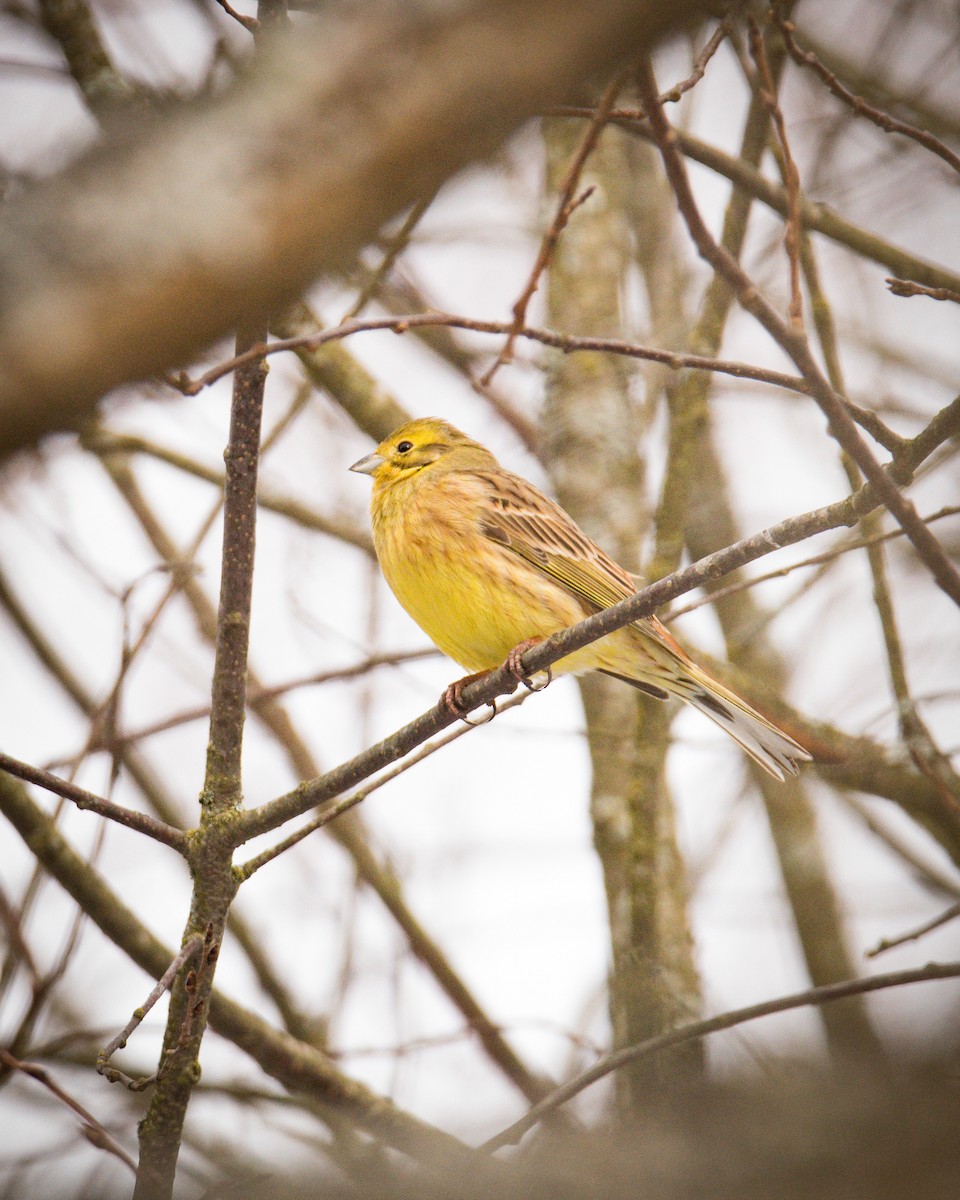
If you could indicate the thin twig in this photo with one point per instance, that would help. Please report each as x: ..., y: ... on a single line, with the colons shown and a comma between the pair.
x: 566, y: 206
x: 840, y: 424
x: 926, y: 755
x: 806, y: 58
x: 817, y: 217
x: 93, y: 1131
x: 912, y: 935
x: 815, y: 560
x: 151, y: 826
x: 568, y: 343
x: 907, y: 288
x: 768, y: 94
x: 700, y: 1029
x: 931, y: 875
x: 111, y: 1074
x: 398, y: 243
x: 333, y: 811
x: 700, y: 63
x: 257, y: 694
x: 250, y: 24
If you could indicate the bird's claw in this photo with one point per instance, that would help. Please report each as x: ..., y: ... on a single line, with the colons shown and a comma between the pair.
x: 515, y: 667
x: 452, y: 700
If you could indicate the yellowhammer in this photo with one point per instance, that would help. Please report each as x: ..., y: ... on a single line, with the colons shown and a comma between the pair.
x: 485, y: 563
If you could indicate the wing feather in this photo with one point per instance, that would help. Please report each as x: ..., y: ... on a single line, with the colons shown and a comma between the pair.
x: 530, y: 524
x: 520, y: 517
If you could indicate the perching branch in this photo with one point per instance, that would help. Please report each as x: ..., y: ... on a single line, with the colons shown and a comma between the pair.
x: 500, y: 681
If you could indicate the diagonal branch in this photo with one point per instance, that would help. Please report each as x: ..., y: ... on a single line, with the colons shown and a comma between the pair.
x: 795, y: 345
x: 813, y: 996
x: 884, y: 121
x: 141, y: 822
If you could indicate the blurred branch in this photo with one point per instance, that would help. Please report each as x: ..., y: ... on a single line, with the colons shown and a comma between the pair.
x: 92, y: 1130
x: 395, y: 247
x: 73, y: 26
x: 258, y: 695
x: 929, y: 874
x: 334, y: 370
x: 687, y: 407
x: 102, y: 441
x: 700, y: 511
x: 700, y: 1029
x: 711, y: 46
x: 929, y: 759
x: 250, y: 24
x: 907, y: 288
x: 566, y: 205
x: 883, y: 90
x: 815, y: 560
x: 592, y: 431
x: 912, y: 935
x: 165, y: 237
x: 767, y: 89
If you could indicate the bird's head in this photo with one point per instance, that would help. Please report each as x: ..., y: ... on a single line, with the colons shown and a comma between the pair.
x: 424, y: 444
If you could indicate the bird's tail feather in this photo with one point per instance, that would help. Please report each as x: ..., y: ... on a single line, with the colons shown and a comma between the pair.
x: 767, y: 745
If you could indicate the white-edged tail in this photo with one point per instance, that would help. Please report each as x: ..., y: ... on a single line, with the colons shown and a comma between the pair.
x: 767, y: 745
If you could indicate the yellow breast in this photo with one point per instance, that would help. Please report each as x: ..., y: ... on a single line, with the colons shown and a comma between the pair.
x: 474, y: 599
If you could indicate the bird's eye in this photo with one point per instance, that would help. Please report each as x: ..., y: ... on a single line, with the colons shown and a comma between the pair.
x: 403, y: 447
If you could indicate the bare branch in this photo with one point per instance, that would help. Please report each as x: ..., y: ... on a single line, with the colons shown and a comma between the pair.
x: 164, y: 983
x: 154, y: 245
x: 806, y: 58
x: 907, y: 288
x: 300, y: 1067
x: 568, y: 343
x: 818, y: 218
x: 912, y: 935
x: 567, y: 203
x: 840, y: 424
x: 699, y: 1029
x: 94, y: 1132
x: 83, y: 799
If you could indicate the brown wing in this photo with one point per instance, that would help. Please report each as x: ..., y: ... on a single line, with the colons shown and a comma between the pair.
x: 519, y: 516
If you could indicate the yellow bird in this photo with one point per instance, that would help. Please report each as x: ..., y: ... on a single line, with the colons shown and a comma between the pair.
x: 487, y: 565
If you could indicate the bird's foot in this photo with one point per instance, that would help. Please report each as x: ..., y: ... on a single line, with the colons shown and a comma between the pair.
x: 452, y: 699
x: 515, y: 668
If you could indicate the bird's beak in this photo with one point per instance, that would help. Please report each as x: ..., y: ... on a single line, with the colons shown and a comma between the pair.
x: 367, y: 466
